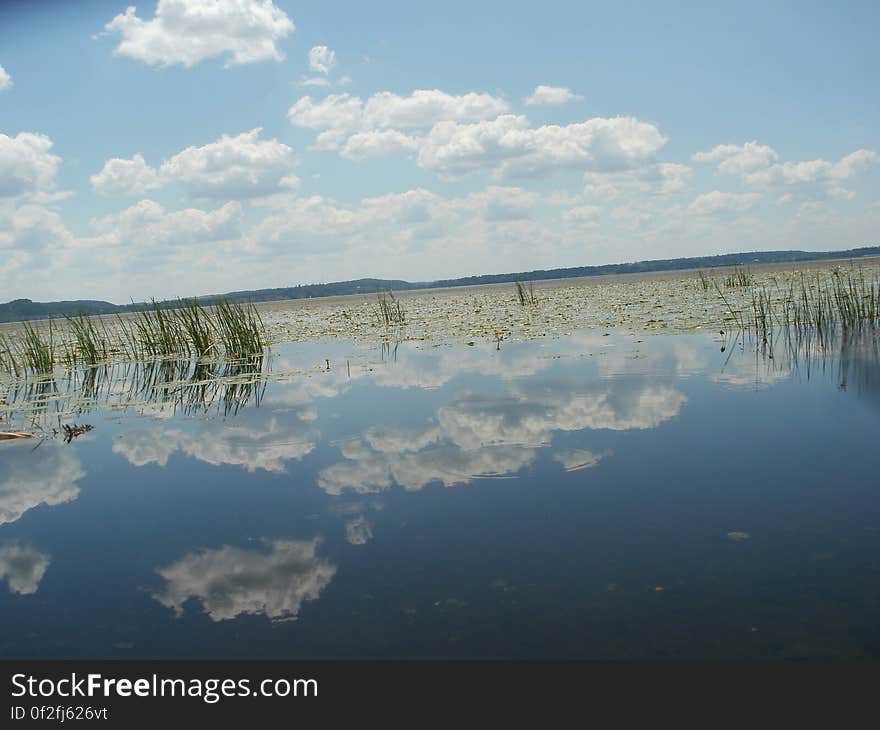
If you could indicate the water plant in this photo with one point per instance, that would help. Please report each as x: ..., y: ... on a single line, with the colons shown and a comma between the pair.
x: 389, y: 311
x: 739, y: 279
x: 184, y: 330
x: 526, y: 295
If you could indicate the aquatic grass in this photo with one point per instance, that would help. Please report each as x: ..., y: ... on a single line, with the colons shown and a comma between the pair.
x: 739, y: 279
x: 90, y: 346
x: 36, y: 349
x: 705, y: 280
x: 526, y: 295
x: 239, y: 329
x: 389, y: 310
x: 196, y: 326
x: 228, y: 330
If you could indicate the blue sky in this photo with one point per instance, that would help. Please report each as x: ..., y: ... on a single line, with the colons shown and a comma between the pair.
x: 212, y: 145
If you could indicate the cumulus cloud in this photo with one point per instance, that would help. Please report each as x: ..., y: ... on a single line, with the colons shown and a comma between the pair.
x: 739, y: 159
x: 22, y: 567
x: 662, y: 178
x: 551, y: 95
x: 186, y: 32
x: 376, y: 143
x: 758, y: 165
x: 126, y: 177
x: 339, y: 116
x: 146, y: 225
x: 716, y: 202
x: 26, y: 164
x: 5, y: 79
x: 232, y: 167
x: 322, y: 59
x: 231, y: 582
x: 509, y: 146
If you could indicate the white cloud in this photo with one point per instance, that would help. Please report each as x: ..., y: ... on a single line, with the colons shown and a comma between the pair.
x: 322, y: 59
x: 126, y: 177
x: 662, y: 178
x: 22, y: 567
x: 26, y: 164
x: 231, y: 582
x: 5, y: 79
x: 757, y: 165
x: 855, y: 163
x: 551, y: 95
x: 189, y: 31
x: 147, y: 225
x: 716, y: 202
x: 739, y: 159
x: 339, y: 116
x: 232, y: 167
x: 375, y: 143
x: 508, y: 146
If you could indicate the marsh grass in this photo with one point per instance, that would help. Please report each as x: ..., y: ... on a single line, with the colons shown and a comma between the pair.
x: 389, y: 311
x: 813, y: 309
x: 705, y: 281
x: 739, y: 279
x: 186, y: 330
x: 526, y: 294
x: 90, y: 345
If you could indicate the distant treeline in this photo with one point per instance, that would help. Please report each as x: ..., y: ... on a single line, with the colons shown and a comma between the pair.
x: 22, y: 309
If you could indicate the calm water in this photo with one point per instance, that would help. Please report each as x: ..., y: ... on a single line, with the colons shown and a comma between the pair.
x: 590, y: 496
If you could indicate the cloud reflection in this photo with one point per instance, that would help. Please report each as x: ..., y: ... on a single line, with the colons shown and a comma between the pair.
x: 29, y: 478
x: 22, y: 567
x: 231, y: 582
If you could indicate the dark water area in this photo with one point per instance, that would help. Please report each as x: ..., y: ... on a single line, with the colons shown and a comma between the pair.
x: 589, y: 496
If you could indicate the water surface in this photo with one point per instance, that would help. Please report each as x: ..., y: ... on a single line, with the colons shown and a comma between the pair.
x: 598, y: 496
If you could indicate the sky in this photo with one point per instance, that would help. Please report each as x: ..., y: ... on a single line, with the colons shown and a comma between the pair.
x: 190, y: 147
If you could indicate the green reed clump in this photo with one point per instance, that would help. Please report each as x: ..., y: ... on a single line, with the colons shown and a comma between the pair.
x: 9, y: 361
x: 196, y: 326
x: 817, y: 308
x: 90, y: 345
x: 705, y: 281
x: 37, y: 348
x: 389, y: 311
x: 526, y: 295
x: 159, y: 333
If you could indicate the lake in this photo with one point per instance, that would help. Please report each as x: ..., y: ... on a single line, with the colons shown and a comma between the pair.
x: 595, y: 495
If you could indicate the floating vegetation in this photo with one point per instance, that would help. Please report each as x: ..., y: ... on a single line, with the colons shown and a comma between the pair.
x: 227, y: 331
x: 526, y: 295
x: 72, y: 431
x: 389, y: 311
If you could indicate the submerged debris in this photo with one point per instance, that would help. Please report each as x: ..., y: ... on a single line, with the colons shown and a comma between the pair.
x: 7, y: 435
x: 72, y: 431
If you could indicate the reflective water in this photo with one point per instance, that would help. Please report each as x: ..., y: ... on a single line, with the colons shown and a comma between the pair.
x: 588, y: 496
